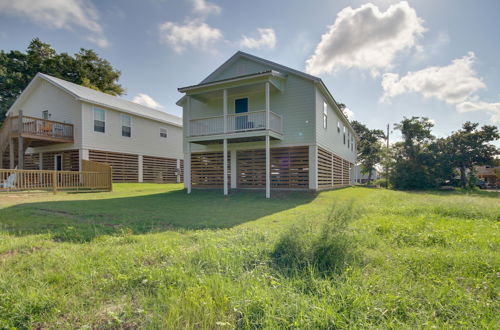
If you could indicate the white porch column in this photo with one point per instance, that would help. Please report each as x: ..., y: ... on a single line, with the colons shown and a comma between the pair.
x: 268, y: 106
x: 234, y: 175
x: 225, y: 167
x: 83, y: 154
x: 268, y: 167
x: 313, y: 167
x: 140, y: 167
x: 187, y: 168
x: 224, y: 97
x: 40, y: 161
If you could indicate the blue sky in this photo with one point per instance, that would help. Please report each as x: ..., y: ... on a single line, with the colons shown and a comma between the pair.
x: 383, y: 59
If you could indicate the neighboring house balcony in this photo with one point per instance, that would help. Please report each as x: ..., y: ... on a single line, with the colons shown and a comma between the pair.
x: 237, y: 109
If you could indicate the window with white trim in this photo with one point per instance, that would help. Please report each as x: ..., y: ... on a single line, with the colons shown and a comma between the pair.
x: 325, y: 113
x: 163, y: 132
x: 126, y: 126
x: 344, y: 134
x: 348, y: 140
x: 338, y: 126
x: 99, y: 120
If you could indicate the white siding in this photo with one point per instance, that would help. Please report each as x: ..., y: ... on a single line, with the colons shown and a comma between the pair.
x: 329, y: 138
x: 145, y: 139
x: 61, y: 106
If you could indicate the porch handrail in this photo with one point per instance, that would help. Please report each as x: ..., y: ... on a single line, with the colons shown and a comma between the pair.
x: 47, y: 128
x: 237, y: 122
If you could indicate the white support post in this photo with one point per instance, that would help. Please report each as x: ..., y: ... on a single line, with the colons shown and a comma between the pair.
x: 268, y: 106
x: 234, y: 175
x: 313, y: 167
x: 187, y: 168
x: 140, y: 168
x: 225, y: 168
x: 268, y: 167
x: 83, y: 155
x: 224, y: 97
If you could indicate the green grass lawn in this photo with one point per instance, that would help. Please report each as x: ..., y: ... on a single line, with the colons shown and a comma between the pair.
x: 150, y: 256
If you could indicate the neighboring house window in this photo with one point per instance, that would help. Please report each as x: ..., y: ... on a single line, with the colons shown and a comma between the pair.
x: 126, y: 126
x: 45, y: 114
x: 338, y: 126
x: 325, y: 112
x: 344, y: 134
x: 99, y: 120
x: 163, y: 132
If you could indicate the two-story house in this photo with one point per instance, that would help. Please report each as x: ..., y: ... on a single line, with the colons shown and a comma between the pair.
x: 253, y: 123
x: 54, y: 124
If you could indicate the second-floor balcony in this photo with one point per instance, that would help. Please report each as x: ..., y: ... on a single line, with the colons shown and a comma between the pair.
x: 236, y: 123
x: 37, y: 129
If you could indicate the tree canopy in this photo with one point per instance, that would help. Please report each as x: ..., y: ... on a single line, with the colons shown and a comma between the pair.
x: 85, y: 68
x: 369, y: 147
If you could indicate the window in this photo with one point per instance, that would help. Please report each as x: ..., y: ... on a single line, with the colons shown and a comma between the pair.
x: 163, y: 132
x: 325, y: 112
x: 352, y: 143
x: 99, y: 120
x: 344, y: 134
x: 348, y: 140
x: 126, y: 126
x: 45, y: 114
x: 338, y: 126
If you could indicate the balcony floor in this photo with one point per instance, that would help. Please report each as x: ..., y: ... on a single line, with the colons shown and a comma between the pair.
x: 237, y: 137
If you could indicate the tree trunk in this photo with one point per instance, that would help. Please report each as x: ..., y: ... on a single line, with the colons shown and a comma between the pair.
x: 463, y: 179
x: 369, y: 177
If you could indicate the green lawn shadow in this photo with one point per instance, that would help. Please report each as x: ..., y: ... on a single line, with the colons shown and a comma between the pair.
x: 83, y: 220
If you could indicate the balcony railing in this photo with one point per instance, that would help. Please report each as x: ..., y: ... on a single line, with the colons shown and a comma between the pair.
x: 42, y: 128
x: 241, y: 122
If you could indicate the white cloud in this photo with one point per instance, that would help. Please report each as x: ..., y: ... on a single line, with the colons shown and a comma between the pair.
x: 366, y: 38
x: 349, y: 114
x: 455, y: 84
x: 267, y: 39
x: 195, y: 34
x: 58, y: 14
x: 205, y: 8
x: 146, y: 100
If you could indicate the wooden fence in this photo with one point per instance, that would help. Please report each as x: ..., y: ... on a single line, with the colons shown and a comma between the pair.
x: 95, y: 176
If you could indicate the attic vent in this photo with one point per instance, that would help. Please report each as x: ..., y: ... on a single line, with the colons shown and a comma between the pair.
x: 241, y: 70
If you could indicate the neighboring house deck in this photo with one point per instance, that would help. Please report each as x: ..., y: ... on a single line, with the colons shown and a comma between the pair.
x: 55, y: 124
x: 254, y: 123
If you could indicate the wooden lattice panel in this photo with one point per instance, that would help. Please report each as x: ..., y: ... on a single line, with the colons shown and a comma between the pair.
x: 125, y: 167
x: 159, y: 170
x: 289, y: 168
x: 333, y: 171
x: 207, y: 169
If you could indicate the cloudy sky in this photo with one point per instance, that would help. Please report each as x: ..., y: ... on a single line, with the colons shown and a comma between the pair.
x: 384, y: 59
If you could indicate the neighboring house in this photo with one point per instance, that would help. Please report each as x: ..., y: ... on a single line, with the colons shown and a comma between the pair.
x: 63, y: 123
x: 358, y: 176
x: 490, y: 175
x: 253, y: 123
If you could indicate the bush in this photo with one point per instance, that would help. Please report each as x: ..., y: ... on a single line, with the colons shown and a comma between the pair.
x: 380, y: 183
x: 327, y: 249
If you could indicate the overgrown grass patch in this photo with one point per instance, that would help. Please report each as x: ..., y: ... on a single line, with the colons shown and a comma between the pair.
x: 350, y: 258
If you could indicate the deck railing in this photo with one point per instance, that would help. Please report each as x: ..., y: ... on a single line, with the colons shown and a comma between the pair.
x: 23, y: 180
x: 241, y: 122
x: 42, y: 128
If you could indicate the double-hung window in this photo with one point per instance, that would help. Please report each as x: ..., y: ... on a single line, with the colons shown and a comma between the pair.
x: 163, y: 132
x: 99, y: 120
x: 344, y: 134
x: 126, y: 126
x: 325, y: 113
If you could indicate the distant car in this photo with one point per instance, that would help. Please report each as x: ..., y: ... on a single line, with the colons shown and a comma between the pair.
x: 481, y: 184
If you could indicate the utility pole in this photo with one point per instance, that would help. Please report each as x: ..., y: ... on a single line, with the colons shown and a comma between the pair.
x: 387, y: 160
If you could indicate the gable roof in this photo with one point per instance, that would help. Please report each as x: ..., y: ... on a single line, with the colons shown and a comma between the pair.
x: 89, y: 95
x: 283, y: 69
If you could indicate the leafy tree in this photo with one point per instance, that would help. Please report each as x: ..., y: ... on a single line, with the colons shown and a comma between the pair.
x: 412, y: 158
x: 470, y: 147
x: 369, y: 147
x: 84, y: 68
